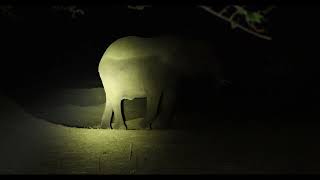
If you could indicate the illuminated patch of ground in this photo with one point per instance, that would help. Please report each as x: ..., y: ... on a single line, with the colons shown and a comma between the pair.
x: 73, y: 107
x: 32, y: 145
x: 84, y: 107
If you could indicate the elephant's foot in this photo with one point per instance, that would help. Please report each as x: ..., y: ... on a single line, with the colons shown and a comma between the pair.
x: 144, y: 125
x: 105, y: 126
x: 137, y: 124
x: 118, y: 125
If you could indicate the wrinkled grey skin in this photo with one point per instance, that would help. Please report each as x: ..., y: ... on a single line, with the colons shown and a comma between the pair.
x: 136, y: 67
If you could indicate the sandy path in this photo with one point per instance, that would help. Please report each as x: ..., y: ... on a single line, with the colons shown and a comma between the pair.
x: 32, y: 145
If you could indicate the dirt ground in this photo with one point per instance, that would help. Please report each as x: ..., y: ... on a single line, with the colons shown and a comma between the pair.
x: 32, y: 145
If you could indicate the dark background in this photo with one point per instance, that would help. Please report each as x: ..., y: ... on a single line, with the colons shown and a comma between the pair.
x: 42, y: 48
x: 269, y: 113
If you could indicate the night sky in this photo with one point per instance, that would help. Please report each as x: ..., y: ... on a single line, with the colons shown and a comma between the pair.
x: 43, y: 48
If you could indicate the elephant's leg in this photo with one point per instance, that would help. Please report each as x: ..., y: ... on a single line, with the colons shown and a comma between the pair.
x: 118, y: 122
x: 152, y: 109
x: 107, y: 115
x: 167, y: 109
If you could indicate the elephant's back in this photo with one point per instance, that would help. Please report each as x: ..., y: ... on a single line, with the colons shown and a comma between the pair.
x: 183, y: 54
x: 130, y: 47
x: 134, y: 46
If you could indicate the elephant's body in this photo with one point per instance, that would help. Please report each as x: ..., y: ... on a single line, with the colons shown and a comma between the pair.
x: 134, y: 67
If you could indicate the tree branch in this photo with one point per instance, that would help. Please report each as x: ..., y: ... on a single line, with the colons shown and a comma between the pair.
x: 139, y: 7
x: 235, y: 24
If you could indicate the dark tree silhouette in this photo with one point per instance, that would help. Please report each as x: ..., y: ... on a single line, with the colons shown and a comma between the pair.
x: 246, y: 18
x: 252, y: 21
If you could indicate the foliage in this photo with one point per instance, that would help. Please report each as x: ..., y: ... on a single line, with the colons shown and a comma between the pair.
x: 250, y: 20
x: 73, y: 10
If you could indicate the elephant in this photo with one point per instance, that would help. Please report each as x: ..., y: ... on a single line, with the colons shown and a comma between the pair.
x: 151, y: 68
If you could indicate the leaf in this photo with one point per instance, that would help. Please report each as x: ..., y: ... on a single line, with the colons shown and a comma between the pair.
x: 255, y: 17
x: 233, y: 24
x: 240, y: 9
x: 138, y: 7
